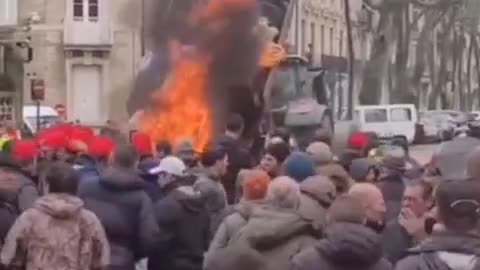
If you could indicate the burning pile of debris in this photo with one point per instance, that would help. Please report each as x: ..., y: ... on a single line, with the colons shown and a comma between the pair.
x: 219, y: 47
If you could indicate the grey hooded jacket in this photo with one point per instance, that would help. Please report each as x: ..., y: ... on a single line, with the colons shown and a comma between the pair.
x: 274, y: 235
x: 444, y: 251
x: 346, y: 246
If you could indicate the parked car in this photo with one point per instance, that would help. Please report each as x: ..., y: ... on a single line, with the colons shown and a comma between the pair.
x: 434, y: 126
x: 475, y: 115
x: 388, y: 121
x: 459, y: 120
x: 47, y: 117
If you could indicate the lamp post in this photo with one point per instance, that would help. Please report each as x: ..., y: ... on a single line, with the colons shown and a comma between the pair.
x: 37, y: 91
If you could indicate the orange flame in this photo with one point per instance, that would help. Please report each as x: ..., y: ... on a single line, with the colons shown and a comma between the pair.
x: 272, y: 55
x: 184, y: 108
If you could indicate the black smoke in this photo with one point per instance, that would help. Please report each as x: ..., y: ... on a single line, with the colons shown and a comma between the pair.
x: 234, y: 51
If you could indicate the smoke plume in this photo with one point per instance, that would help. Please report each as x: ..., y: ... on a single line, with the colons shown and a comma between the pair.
x: 234, y: 52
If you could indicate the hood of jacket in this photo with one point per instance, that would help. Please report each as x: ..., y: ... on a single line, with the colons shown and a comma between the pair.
x: 60, y: 206
x: 333, y: 170
x: 468, y: 243
x: 269, y: 227
x: 457, y: 251
x: 245, y: 208
x: 319, y: 188
x: 122, y: 179
x: 189, y: 199
x: 351, y: 245
x: 339, y: 176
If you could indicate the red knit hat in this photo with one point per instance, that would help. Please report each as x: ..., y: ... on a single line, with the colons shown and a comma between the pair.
x: 255, y: 185
x: 142, y: 143
x: 54, y: 139
x: 80, y: 137
x: 358, y: 141
x: 65, y: 128
x: 25, y: 150
x: 101, y: 147
x: 81, y: 133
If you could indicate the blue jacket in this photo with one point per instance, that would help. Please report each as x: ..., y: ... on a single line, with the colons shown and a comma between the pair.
x: 150, y: 180
x: 87, y: 168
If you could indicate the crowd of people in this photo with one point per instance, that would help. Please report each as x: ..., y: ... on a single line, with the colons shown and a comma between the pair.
x: 71, y: 199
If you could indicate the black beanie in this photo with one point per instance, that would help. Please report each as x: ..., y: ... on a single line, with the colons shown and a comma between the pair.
x: 279, y: 150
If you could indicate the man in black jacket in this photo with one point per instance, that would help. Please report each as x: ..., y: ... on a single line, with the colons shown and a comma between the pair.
x: 124, y: 209
x: 455, y: 244
x: 238, y: 155
x: 392, y: 181
x: 183, y: 221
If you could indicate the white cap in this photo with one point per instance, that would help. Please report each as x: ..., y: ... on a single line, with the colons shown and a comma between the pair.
x: 171, y: 165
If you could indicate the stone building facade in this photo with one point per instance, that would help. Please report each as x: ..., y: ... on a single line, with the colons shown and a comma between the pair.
x: 320, y: 34
x: 323, y: 31
x: 87, y: 52
x: 12, y: 45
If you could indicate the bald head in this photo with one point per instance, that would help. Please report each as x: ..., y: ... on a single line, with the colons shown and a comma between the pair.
x: 321, y: 188
x: 346, y: 208
x: 284, y: 192
x: 372, y: 200
x: 364, y: 191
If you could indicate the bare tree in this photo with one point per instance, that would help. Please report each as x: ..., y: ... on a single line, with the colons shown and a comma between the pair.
x: 445, y: 52
x: 476, y: 52
x: 375, y: 68
x: 394, y: 34
x: 351, y: 58
x: 469, y: 74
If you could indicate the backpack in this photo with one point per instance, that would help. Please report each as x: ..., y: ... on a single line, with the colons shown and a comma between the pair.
x: 9, y: 211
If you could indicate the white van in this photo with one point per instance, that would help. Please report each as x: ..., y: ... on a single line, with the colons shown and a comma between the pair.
x: 48, y: 118
x: 388, y: 121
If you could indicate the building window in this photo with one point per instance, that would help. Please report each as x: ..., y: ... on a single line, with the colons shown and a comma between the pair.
x: 78, y: 10
x: 77, y: 53
x: 400, y: 115
x: 331, y: 41
x: 313, y: 38
x: 375, y: 115
x: 340, y: 45
x: 303, y: 37
x: 312, y: 46
x: 322, y: 40
x: 97, y: 54
x: 93, y: 10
